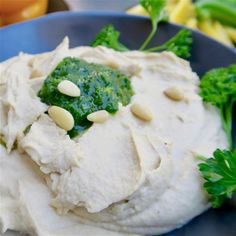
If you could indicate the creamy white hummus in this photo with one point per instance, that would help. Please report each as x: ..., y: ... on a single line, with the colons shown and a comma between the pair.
x: 122, y: 177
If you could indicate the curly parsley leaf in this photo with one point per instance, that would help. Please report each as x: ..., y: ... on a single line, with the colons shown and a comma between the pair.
x: 180, y: 44
x: 219, y: 173
x: 109, y: 38
x: 218, y: 87
x: 155, y: 9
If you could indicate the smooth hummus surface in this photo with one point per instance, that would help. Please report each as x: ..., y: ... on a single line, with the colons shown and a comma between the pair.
x: 125, y: 176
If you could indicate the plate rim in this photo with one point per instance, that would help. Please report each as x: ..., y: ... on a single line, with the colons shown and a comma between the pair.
x: 64, y: 14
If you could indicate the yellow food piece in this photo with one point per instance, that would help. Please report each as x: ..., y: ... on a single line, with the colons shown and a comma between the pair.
x: 137, y: 10
x: 207, y: 27
x: 231, y: 33
x: 182, y: 12
x: 215, y: 30
x: 221, y: 31
x: 192, y: 23
x: 35, y: 9
x: 170, y: 5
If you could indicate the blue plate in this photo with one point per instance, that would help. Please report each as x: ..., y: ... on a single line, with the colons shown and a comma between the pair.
x: 44, y: 34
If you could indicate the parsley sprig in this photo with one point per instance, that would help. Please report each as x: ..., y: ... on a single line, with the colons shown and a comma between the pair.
x: 219, y: 172
x: 180, y: 44
x: 155, y: 9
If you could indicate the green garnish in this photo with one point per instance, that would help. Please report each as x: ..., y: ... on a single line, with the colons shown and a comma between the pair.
x: 2, y: 141
x: 219, y: 172
x: 221, y: 10
x: 218, y: 87
x: 109, y: 37
x: 155, y: 9
x: 180, y: 44
x: 102, y: 88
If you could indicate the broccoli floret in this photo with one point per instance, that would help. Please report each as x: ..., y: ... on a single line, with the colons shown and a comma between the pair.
x: 218, y: 87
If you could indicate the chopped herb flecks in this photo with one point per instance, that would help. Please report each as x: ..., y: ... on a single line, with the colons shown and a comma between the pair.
x: 102, y: 88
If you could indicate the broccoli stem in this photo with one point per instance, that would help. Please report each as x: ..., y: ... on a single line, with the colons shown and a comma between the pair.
x: 226, y: 118
x: 150, y: 36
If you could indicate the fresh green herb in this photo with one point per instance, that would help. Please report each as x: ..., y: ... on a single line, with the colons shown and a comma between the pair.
x: 219, y: 172
x: 102, y: 88
x: 2, y: 141
x: 155, y: 9
x: 180, y: 44
x: 218, y: 87
x: 109, y: 37
x: 221, y: 10
x: 15, y: 145
x: 27, y: 129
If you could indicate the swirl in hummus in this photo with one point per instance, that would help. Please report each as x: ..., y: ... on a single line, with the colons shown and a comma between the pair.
x: 125, y: 176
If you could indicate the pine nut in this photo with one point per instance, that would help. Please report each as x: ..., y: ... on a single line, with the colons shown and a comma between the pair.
x: 141, y: 111
x: 175, y: 93
x: 68, y: 88
x: 61, y: 117
x: 98, y: 116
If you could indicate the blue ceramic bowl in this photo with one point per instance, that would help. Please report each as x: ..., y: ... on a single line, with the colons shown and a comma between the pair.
x: 44, y: 34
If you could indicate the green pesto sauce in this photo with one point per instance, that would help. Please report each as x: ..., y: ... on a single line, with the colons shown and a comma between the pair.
x: 102, y: 88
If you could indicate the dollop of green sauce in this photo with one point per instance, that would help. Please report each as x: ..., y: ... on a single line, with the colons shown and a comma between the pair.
x: 102, y: 88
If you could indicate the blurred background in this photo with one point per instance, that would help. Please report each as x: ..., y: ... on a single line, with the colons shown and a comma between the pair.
x: 216, y: 18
